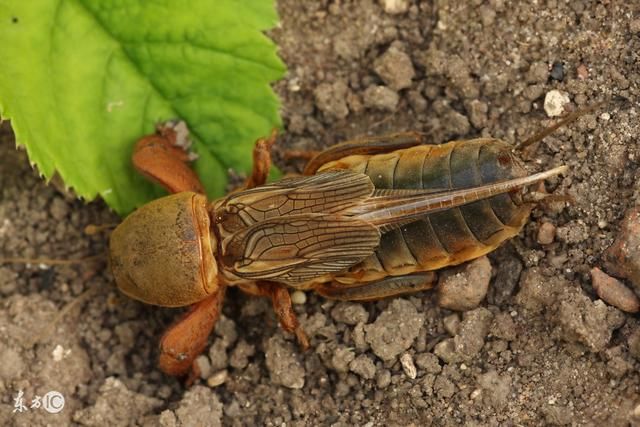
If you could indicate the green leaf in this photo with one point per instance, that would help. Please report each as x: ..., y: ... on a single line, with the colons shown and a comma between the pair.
x: 82, y: 80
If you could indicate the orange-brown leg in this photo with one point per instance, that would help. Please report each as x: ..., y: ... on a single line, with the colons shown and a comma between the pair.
x: 261, y: 161
x: 188, y: 336
x: 164, y: 158
x: 281, y: 301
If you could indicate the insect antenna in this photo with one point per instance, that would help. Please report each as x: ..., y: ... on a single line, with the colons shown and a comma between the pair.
x: 571, y: 117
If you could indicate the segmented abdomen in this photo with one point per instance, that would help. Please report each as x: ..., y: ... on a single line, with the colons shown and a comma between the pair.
x: 448, y: 237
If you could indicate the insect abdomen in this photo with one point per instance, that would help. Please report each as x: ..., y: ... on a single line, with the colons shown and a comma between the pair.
x: 452, y: 236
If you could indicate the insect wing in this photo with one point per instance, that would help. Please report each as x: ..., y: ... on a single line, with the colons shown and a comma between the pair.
x: 299, y: 248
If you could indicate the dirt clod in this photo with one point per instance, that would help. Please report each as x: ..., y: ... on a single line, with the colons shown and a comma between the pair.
x: 395, y: 68
x: 283, y: 364
x: 394, y: 330
x: 380, y: 98
x: 114, y: 394
x: 463, y: 288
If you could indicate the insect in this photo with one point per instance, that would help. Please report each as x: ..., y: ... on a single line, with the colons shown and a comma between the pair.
x: 368, y: 219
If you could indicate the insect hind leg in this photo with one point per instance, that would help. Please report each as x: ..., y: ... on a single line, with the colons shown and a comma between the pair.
x: 387, y: 287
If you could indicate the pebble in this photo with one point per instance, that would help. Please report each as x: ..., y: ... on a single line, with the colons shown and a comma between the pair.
x: 380, y: 98
x: 298, y: 298
x: 218, y: 378
x: 614, y: 292
x: 546, y: 233
x: 554, y: 103
x: 395, y: 68
x: 409, y: 368
x: 582, y: 71
x: 557, y: 71
x: 463, y: 288
x: 622, y: 259
x: 395, y: 7
x: 204, y: 366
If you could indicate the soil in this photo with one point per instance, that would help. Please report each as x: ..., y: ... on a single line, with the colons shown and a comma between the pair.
x: 540, y: 349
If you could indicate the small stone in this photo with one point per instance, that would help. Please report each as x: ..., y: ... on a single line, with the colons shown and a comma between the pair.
x: 298, y: 298
x: 204, y: 366
x: 409, y: 368
x: 582, y: 71
x: 614, y: 292
x: 546, y: 233
x: 623, y: 257
x: 349, y: 313
x: 557, y: 71
x: 331, y: 99
x: 555, y: 102
x: 395, y: 7
x: 58, y: 353
x: 363, y: 366
x: 463, y: 288
x: 218, y: 378
x: 394, y: 330
x: 380, y: 98
x: 395, y: 69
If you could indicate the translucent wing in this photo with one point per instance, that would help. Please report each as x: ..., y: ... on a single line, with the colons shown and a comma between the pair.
x: 298, y: 248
